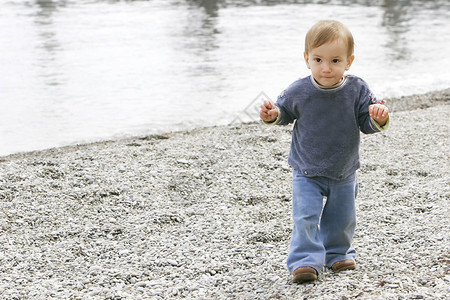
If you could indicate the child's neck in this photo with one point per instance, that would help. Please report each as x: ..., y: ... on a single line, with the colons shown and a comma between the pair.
x: 330, y: 87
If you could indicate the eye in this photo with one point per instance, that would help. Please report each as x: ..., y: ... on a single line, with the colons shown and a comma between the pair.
x: 335, y: 61
x: 317, y: 59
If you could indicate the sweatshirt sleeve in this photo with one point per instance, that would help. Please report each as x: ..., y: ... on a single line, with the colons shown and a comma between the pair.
x: 378, y: 127
x: 284, y: 105
x: 366, y: 123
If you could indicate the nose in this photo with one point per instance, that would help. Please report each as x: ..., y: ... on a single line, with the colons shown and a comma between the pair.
x: 326, y: 67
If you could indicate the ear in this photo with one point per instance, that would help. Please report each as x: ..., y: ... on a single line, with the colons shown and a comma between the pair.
x: 349, y: 61
x: 306, y: 56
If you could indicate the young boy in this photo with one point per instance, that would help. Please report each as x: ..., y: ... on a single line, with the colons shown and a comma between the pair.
x: 329, y: 109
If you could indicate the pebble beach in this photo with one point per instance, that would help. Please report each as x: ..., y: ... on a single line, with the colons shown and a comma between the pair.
x: 206, y: 214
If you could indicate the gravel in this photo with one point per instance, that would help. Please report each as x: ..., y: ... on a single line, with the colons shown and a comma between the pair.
x: 207, y: 214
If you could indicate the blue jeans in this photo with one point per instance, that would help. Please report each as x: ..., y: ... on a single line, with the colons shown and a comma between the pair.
x: 322, y: 234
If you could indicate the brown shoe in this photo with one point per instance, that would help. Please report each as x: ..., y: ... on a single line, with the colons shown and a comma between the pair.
x: 305, y: 274
x: 343, y: 265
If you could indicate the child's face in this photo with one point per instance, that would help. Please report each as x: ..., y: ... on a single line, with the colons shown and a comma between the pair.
x: 328, y: 62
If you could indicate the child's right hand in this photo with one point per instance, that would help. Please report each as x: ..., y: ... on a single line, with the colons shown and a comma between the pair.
x: 269, y: 112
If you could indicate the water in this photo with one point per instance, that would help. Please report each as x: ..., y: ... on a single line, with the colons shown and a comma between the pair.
x: 82, y: 71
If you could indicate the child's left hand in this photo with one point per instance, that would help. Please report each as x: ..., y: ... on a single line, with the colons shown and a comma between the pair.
x: 380, y: 113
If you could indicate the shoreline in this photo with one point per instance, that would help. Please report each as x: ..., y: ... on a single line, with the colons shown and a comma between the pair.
x: 419, y: 101
x: 206, y: 214
x: 395, y: 104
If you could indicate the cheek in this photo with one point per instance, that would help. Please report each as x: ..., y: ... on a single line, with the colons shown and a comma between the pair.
x: 315, y: 70
x: 342, y: 68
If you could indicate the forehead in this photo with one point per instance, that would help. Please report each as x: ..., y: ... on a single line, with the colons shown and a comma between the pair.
x: 331, y: 48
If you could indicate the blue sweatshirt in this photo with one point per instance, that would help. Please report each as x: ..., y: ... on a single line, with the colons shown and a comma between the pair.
x: 325, y: 138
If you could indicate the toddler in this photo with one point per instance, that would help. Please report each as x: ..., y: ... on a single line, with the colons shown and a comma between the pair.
x: 330, y: 109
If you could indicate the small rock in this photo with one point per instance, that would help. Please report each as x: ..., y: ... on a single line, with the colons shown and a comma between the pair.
x: 133, y: 280
x: 124, y: 252
x: 141, y: 284
x: 156, y: 292
x: 153, y: 283
x: 94, y: 270
x: 94, y: 292
x: 183, y: 162
x: 172, y: 262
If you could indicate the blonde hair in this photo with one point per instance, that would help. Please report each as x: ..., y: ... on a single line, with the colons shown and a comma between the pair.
x: 328, y: 31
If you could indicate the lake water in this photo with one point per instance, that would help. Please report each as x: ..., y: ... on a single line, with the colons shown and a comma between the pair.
x: 81, y: 71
